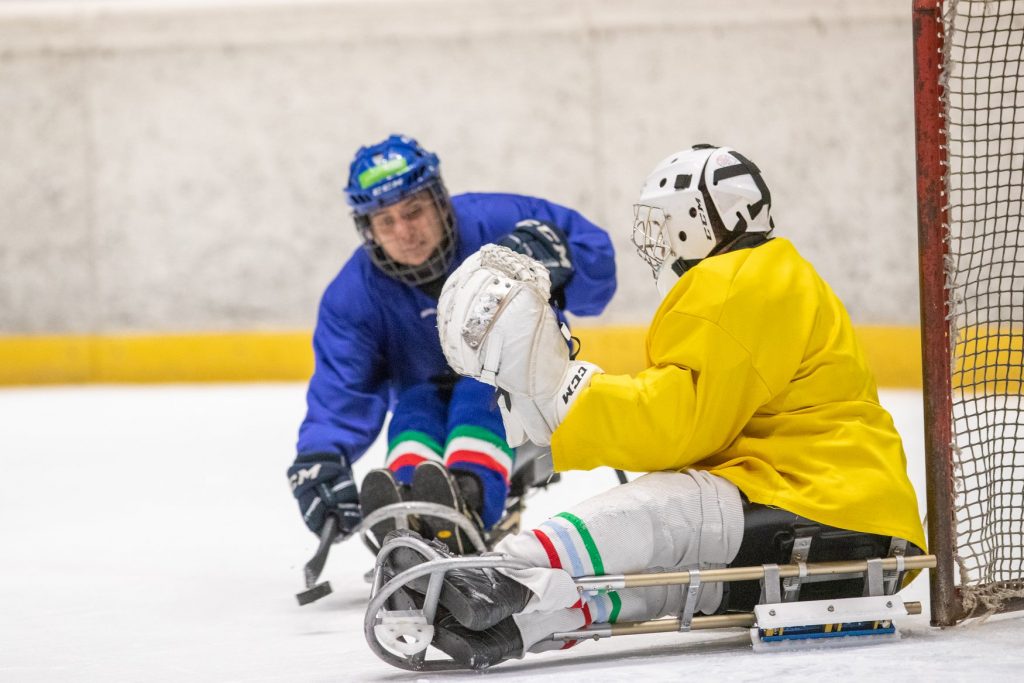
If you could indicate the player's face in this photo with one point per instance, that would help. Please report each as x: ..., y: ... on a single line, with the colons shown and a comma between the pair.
x: 410, y: 230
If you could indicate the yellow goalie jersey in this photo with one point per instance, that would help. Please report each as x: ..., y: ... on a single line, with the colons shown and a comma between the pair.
x: 754, y: 375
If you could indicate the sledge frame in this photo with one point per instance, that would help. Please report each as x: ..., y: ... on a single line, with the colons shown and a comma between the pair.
x: 380, y: 622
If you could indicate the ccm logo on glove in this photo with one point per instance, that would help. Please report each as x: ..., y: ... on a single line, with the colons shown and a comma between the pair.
x: 555, y: 241
x: 545, y: 243
x: 302, y: 476
x: 574, y: 383
x: 322, y: 484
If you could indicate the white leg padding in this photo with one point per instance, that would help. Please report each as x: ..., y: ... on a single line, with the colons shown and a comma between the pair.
x: 663, y: 521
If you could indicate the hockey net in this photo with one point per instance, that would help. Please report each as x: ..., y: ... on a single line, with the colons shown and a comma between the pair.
x: 970, y: 134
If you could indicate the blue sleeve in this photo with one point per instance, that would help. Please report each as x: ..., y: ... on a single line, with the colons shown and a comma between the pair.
x: 348, y: 393
x: 590, y: 248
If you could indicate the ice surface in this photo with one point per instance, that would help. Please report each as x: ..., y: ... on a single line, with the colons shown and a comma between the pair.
x: 148, y: 534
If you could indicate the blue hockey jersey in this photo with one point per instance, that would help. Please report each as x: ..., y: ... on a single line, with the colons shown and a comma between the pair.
x: 376, y: 336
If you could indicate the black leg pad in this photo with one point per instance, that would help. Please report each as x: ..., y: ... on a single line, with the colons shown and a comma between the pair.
x: 768, y: 537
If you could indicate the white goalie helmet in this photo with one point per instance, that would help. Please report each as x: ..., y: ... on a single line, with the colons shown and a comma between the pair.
x: 697, y: 203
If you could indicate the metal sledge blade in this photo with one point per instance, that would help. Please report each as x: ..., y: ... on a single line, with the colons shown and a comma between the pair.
x: 823, y: 640
x: 826, y: 623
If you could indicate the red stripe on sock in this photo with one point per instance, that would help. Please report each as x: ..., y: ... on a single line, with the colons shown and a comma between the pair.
x: 570, y: 643
x: 586, y: 615
x: 408, y: 459
x: 549, y: 548
x: 477, y: 458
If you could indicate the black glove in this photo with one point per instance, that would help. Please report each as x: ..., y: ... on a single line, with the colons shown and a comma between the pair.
x: 545, y: 243
x: 323, y: 486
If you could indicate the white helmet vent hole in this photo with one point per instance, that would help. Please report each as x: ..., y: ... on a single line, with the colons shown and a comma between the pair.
x: 682, y: 236
x: 662, y: 183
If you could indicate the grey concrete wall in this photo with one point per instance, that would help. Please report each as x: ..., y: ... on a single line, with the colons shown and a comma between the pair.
x: 178, y: 166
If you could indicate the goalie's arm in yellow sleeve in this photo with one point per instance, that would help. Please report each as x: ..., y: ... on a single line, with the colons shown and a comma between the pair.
x: 699, y: 392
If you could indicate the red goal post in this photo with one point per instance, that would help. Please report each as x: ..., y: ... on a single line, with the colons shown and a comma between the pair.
x: 969, y: 116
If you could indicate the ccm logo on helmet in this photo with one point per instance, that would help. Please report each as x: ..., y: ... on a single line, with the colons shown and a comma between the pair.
x: 703, y: 218
x: 381, y: 189
x: 574, y: 383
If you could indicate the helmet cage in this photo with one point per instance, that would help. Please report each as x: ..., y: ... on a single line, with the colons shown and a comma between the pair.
x: 387, y: 173
x: 440, y: 259
x: 648, y: 236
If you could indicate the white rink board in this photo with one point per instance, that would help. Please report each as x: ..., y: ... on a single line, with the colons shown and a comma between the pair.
x: 148, y: 534
x: 180, y: 163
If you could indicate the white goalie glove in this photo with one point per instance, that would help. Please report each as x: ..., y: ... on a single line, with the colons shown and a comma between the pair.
x: 497, y: 326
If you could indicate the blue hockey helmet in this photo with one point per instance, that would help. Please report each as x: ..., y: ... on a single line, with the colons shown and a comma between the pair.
x: 389, y: 172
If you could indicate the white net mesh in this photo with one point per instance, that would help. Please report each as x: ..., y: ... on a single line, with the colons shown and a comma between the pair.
x: 983, y: 75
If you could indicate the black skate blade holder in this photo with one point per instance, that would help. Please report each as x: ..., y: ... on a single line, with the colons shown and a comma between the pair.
x: 314, y: 591
x: 784, y: 622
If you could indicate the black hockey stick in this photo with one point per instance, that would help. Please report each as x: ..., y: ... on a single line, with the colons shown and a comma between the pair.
x: 314, y: 591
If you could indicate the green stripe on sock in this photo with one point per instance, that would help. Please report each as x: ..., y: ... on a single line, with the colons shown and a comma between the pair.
x: 484, y: 435
x: 588, y: 541
x: 413, y: 435
x: 616, y: 606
